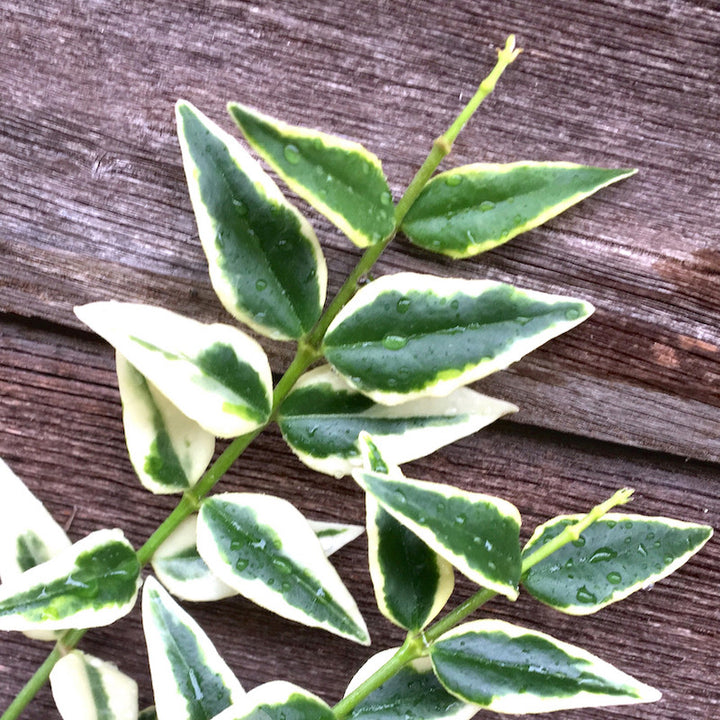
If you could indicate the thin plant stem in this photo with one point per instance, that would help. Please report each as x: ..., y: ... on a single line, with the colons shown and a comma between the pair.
x: 309, y: 350
x: 417, y: 644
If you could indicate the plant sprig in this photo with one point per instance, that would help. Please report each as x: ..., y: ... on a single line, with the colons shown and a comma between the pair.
x: 400, y: 352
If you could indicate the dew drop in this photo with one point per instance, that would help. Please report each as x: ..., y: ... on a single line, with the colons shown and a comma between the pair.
x: 292, y: 154
x: 282, y: 565
x: 453, y: 180
x: 394, y: 342
x: 580, y: 542
x: 583, y: 595
x: 403, y: 305
x: 603, y: 554
x: 260, y: 285
x: 614, y: 578
x: 572, y: 314
x: 455, y: 304
x: 486, y: 205
x: 611, y: 524
x: 569, y: 563
x: 668, y: 559
x: 460, y: 519
x: 399, y: 496
x: 241, y: 564
x: 240, y: 206
x: 642, y: 550
x: 627, y: 524
x: 385, y: 198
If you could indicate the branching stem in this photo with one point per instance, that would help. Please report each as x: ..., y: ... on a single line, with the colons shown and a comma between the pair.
x: 309, y: 350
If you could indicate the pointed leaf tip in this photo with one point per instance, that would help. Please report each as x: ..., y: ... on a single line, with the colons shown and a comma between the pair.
x: 474, y: 208
x: 408, y: 335
x: 339, y: 178
x: 265, y: 261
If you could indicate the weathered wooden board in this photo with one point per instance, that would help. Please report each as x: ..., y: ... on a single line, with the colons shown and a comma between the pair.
x: 93, y: 203
x: 93, y: 206
x: 62, y: 433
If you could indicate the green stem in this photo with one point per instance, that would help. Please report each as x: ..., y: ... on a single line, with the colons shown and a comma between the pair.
x: 66, y: 642
x: 412, y: 648
x: 416, y: 644
x: 441, y: 147
x: 309, y: 350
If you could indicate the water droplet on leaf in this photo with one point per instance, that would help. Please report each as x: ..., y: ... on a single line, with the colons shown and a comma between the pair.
x: 453, y: 180
x: 292, y: 154
x: 584, y: 596
x: 394, y: 342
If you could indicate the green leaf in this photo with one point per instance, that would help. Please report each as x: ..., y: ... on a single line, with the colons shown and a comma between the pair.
x: 265, y: 262
x: 168, y: 450
x: 148, y: 713
x: 478, y: 534
x: 412, y: 583
x: 413, y: 692
x: 86, y: 688
x: 323, y: 415
x: 508, y: 669
x: 339, y: 178
x: 613, y: 558
x: 265, y: 549
x: 215, y: 374
x: 279, y: 700
x: 92, y: 583
x: 474, y: 208
x: 407, y: 335
x: 28, y: 533
x: 190, y: 679
x: 185, y: 574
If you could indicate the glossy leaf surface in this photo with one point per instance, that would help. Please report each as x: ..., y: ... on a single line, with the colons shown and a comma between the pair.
x: 413, y: 692
x: 279, y: 700
x: 323, y: 416
x: 185, y: 574
x: 265, y: 549
x: 339, y: 178
x: 509, y: 669
x: 611, y: 559
x: 86, y: 688
x: 92, y: 583
x: 168, y: 451
x: 412, y: 582
x: 215, y: 374
x: 265, y: 262
x: 409, y: 335
x: 478, y: 534
x: 474, y: 208
x: 190, y: 679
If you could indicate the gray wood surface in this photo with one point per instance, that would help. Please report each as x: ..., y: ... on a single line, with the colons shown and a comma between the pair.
x: 93, y: 206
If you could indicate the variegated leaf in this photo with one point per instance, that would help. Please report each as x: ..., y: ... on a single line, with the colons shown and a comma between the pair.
x: 474, y: 208
x: 92, y: 583
x: 215, y: 374
x: 266, y: 265
x: 28, y: 533
x: 264, y: 548
x: 278, y: 700
x: 412, y: 582
x: 323, y: 415
x: 168, y: 451
x: 190, y: 679
x: 413, y: 692
x: 478, y: 534
x: 408, y: 335
x: 508, y: 669
x: 185, y: 574
x: 86, y: 688
x: 339, y: 178
x: 611, y: 559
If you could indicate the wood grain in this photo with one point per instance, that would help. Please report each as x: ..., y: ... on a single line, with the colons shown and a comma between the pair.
x: 62, y: 433
x: 93, y: 206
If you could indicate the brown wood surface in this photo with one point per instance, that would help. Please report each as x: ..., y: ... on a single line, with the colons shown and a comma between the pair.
x: 93, y: 206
